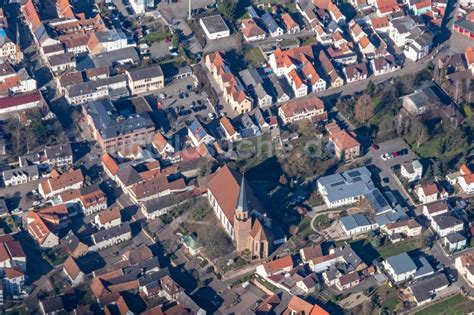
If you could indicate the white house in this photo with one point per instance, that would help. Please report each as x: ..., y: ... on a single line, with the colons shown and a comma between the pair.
x: 466, y: 183
x: 412, y: 171
x: 108, y: 218
x: 427, y: 193
x: 281, y: 265
x: 433, y: 209
x: 21, y: 175
x: 400, y: 267
x: 110, y: 237
x: 465, y: 266
x: 446, y: 224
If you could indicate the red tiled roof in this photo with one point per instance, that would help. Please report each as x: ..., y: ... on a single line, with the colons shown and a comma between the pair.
x: 20, y: 99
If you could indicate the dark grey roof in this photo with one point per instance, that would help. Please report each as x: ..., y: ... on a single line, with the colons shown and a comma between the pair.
x: 269, y: 22
x: 92, y: 86
x: 147, y: 72
x: 455, y: 237
x: 70, y: 242
x: 3, y: 207
x: 52, y: 305
x: 215, y: 24
x: 243, y: 203
x: 108, y: 59
x: 465, y: 24
x: 110, y: 124
x: 424, y: 289
x: 61, y: 59
x: 128, y: 175
x: 423, y: 267
x: 401, y: 263
x: 112, y: 232
x: 250, y: 77
x: 351, y: 222
x: 30, y: 171
x: 58, y: 151
x: 446, y: 221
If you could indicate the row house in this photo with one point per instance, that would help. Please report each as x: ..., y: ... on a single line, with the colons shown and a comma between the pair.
x: 230, y: 133
x: 113, y: 87
x: 332, y: 76
x: 356, y: 72
x: 233, y: 90
x: 62, y: 62
x: 93, y: 201
x: 59, y: 155
x: 161, y: 145
x: 21, y: 175
x: 20, y: 102
x: 8, y: 49
x: 384, y: 65
x: 108, y: 218
x: 75, y: 43
x: 109, y: 237
x: 108, y: 40
x: 156, y: 187
x: 291, y: 26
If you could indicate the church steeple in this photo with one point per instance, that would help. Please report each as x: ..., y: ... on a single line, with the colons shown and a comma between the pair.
x: 243, y: 204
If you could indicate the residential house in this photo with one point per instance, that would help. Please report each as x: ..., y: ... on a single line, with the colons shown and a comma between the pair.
x: 330, y: 71
x: 400, y: 229
x: 400, y: 267
x: 198, y: 134
x: 272, y: 26
x: 297, y: 305
x: 72, y: 246
x: 40, y: 232
x: 251, y: 31
x: 426, y: 289
x: 11, y: 253
x: 59, y: 155
x: 281, y: 265
x: 58, y: 183
x: 454, y: 242
x: 72, y: 271
x: 107, y: 40
x: 356, y: 72
x: 230, y: 133
x: 411, y: 171
x: 436, y: 208
x: 19, y: 176
x: 232, y: 88
x: 13, y: 280
x: 93, y: 201
x: 465, y: 266
x: 291, y: 26
x: 162, y: 145
x: 446, y: 224
x: 110, y: 237
x: 427, y: 193
x: 346, y: 146
x: 311, y: 108
x: 418, y: 46
x: 466, y: 180
x: 308, y: 284
x: 108, y: 218
x: 145, y: 79
x: 383, y: 65
x: 62, y: 62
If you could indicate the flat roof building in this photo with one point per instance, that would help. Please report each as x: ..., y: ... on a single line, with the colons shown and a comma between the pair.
x: 215, y: 27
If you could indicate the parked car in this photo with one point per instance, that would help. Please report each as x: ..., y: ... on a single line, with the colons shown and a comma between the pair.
x: 375, y: 146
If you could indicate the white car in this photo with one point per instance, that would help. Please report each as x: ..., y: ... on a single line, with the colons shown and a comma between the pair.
x: 36, y: 203
x: 385, y: 156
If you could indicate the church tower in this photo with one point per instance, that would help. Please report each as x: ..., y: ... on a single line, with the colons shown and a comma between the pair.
x: 242, y: 219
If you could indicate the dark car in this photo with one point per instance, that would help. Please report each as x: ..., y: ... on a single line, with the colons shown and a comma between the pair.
x: 375, y: 146
x: 386, y: 180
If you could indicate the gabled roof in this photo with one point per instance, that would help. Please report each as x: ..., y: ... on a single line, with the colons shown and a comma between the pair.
x: 278, y: 264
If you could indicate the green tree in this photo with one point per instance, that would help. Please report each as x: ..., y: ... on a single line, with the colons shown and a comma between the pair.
x: 175, y: 40
x: 429, y: 172
x: 228, y: 8
x: 371, y: 88
x: 438, y: 169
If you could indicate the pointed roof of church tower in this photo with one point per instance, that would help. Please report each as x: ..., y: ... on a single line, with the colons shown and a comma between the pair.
x: 243, y: 203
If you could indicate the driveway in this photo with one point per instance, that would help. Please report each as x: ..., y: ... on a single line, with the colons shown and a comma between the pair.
x: 385, y: 167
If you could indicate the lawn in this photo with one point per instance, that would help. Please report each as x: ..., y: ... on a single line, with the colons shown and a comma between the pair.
x: 402, y: 247
x: 457, y: 304
x: 254, y: 56
x: 390, y: 304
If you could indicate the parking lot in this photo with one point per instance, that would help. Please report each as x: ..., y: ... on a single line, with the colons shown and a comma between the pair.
x: 182, y: 103
x: 387, y: 177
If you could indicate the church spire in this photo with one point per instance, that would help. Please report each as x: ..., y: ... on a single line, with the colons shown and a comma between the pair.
x: 243, y: 204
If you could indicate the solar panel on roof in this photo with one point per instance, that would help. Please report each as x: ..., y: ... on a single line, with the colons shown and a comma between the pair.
x: 354, y: 173
x: 338, y: 184
x: 356, y: 179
